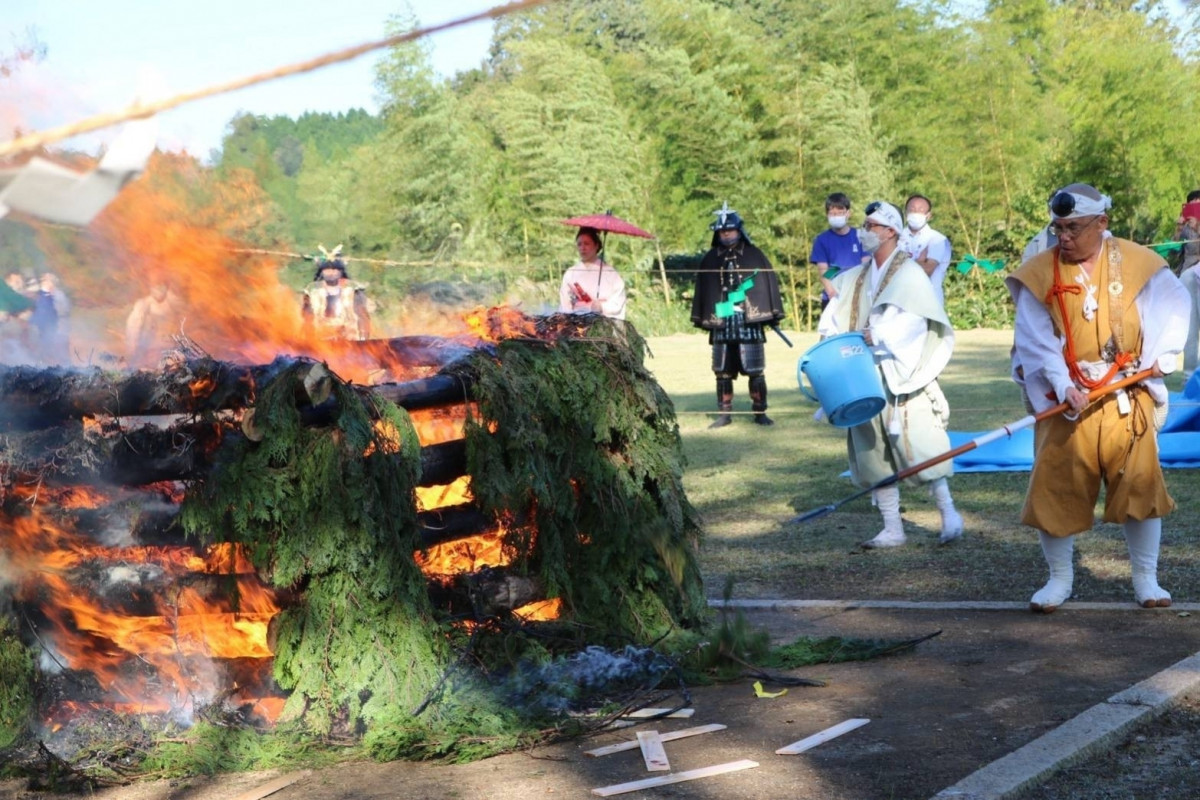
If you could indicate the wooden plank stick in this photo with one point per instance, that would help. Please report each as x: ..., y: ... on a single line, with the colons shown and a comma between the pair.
x: 678, y: 777
x: 665, y: 737
x: 823, y: 736
x: 652, y: 752
x: 274, y: 786
x: 643, y: 713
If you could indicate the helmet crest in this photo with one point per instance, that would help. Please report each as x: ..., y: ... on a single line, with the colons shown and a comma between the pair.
x: 330, y: 258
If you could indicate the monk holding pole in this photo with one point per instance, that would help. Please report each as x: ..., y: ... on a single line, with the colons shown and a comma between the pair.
x: 1089, y: 311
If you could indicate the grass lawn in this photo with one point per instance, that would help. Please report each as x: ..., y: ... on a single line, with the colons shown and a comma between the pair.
x: 747, y: 481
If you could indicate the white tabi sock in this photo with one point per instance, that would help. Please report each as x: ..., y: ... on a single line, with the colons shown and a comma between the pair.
x: 887, y: 500
x: 1143, y: 539
x: 1058, y: 551
x: 952, y: 521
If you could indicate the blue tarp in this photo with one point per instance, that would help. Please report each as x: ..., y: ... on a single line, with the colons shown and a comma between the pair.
x: 1178, y: 441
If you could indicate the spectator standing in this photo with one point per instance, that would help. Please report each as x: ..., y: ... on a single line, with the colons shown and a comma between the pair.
x: 837, y: 249
x: 591, y: 285
x: 929, y: 248
x: 1187, y: 230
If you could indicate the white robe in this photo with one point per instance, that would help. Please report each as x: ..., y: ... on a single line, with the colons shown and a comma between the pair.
x: 601, y: 282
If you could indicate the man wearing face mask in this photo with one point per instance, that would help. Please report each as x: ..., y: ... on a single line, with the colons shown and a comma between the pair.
x: 891, y: 301
x: 334, y: 306
x: 1089, y: 311
x: 736, y: 297
x: 836, y: 249
x: 929, y: 248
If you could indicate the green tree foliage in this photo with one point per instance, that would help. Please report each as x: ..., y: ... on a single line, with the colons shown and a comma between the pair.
x: 661, y: 110
x: 16, y: 684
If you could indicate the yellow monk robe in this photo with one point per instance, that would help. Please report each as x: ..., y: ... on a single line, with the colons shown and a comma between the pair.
x: 1072, y: 458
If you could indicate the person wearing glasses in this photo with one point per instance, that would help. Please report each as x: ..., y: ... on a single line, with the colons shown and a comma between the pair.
x: 1089, y: 311
x: 891, y: 301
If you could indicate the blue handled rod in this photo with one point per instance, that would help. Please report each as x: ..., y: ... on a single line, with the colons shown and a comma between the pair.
x: 979, y: 441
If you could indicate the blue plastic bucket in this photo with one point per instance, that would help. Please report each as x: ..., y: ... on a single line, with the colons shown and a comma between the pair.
x: 843, y: 375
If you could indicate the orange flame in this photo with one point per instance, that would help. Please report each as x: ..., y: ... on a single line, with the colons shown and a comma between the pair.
x: 158, y: 658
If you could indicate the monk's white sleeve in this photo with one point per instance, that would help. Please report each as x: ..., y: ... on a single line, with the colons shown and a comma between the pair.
x: 1038, y: 350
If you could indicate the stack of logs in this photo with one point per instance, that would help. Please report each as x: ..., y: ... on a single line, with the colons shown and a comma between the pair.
x: 88, y: 426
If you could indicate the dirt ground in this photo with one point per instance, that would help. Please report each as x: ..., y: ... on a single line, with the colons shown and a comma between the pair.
x: 991, y: 682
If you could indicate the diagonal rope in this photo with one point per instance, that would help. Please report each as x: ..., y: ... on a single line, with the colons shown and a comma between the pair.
x: 142, y: 110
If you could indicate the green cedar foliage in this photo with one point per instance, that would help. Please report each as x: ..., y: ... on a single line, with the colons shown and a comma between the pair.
x: 16, y: 684
x: 328, y: 513
x: 580, y: 432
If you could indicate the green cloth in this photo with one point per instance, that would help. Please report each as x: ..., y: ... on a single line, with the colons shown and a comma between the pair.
x: 13, y: 302
x: 1167, y: 248
x: 987, y: 265
x: 738, y: 295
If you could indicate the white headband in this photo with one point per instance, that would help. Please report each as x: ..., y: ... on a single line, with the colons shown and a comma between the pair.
x: 1084, y: 206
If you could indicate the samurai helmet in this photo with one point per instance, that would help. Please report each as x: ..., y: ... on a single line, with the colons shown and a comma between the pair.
x: 727, y: 220
x: 330, y: 258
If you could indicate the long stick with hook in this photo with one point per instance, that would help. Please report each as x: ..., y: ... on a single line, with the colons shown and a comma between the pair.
x: 979, y: 441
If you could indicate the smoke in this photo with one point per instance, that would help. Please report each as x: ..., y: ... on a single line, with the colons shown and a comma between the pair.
x: 586, y: 679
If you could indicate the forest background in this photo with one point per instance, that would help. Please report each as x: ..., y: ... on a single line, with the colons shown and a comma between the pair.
x: 661, y: 110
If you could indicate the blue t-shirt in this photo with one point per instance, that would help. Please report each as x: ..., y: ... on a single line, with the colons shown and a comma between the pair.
x: 841, y: 251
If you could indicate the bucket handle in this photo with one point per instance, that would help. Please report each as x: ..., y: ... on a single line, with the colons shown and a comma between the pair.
x: 804, y: 389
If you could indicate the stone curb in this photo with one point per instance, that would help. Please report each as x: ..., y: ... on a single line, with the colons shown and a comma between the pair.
x: 949, y: 605
x: 1096, y: 729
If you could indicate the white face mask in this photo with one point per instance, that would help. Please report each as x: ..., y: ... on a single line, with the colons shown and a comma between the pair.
x: 917, y: 220
x: 837, y: 223
x: 868, y: 240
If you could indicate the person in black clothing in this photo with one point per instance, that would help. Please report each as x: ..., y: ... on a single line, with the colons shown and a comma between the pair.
x: 736, y: 298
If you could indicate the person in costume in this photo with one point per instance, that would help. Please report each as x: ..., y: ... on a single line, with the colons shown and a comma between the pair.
x: 736, y: 297
x: 334, y: 306
x: 1089, y: 311
x: 152, y: 324
x: 591, y: 286
x: 892, y: 302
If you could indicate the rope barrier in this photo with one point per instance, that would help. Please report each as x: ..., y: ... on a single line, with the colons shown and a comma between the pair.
x: 142, y: 110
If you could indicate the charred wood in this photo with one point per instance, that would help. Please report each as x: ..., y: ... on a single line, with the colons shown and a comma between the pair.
x: 451, y: 523
x: 35, y: 398
x: 434, y: 392
x: 488, y: 592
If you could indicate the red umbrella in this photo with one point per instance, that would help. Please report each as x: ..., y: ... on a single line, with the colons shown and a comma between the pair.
x: 608, y: 223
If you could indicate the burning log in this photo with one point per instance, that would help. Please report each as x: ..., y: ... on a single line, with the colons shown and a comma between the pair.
x: 149, y: 454
x: 487, y: 592
x: 570, y: 443
x: 35, y: 398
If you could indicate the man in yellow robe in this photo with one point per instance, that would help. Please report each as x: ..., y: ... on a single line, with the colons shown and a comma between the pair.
x: 1089, y: 311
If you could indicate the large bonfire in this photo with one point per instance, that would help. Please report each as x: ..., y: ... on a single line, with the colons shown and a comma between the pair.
x: 252, y: 535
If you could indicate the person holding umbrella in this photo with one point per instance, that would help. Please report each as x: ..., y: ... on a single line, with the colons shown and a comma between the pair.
x: 737, y: 295
x: 592, y: 286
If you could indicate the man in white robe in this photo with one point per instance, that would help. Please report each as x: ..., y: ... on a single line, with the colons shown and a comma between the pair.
x: 892, y: 302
